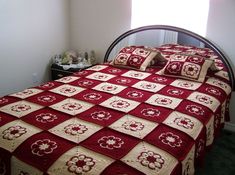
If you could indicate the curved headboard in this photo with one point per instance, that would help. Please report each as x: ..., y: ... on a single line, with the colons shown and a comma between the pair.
x: 205, y: 41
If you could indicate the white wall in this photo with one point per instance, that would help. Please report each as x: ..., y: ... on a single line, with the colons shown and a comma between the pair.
x: 220, y: 29
x: 31, y: 31
x: 96, y: 23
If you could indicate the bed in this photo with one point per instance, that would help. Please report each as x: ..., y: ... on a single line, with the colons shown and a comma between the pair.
x: 150, y: 108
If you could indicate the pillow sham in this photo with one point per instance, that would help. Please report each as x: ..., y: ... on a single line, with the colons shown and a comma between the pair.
x: 190, y: 67
x: 135, y: 57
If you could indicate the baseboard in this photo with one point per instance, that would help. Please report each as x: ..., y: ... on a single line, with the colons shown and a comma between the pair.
x: 229, y: 126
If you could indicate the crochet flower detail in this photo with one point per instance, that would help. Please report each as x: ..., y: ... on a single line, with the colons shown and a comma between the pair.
x: 43, y: 147
x: 171, y: 139
x: 195, y: 109
x: 13, y: 132
x: 75, y: 129
x: 151, y: 160
x: 20, y: 107
x: 92, y: 96
x: 101, y: 115
x: 80, y: 164
x: 46, y: 117
x: 150, y: 112
x: 184, y: 122
x: 72, y: 106
x: 120, y: 104
x: 46, y: 98
x: 133, y: 126
x: 110, y: 142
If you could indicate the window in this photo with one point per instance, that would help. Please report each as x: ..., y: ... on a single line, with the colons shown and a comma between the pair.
x: 188, y: 14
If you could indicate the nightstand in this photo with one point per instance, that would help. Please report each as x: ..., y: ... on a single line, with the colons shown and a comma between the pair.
x: 57, y: 71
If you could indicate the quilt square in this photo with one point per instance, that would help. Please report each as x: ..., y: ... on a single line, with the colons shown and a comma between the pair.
x: 42, y: 150
x: 15, y: 133
x: 85, y: 83
x: 109, y: 88
x: 176, y: 142
x: 133, y: 126
x: 83, y: 73
x: 20, y: 108
x: 164, y: 101
x: 5, y: 118
x: 71, y: 106
x: 67, y: 79
x: 110, y: 143
x: 125, y: 81
x: 175, y: 92
x: 152, y: 113
x: 114, y: 70
x: 120, y: 104
x: 46, y: 98
x: 100, y: 115
x: 148, y: 86
x: 135, y: 94
x: 49, y: 85
x: 185, y: 123
x: 92, y: 96
x: 204, y: 99
x: 150, y: 160
x: 136, y: 74
x: 67, y: 90
x: 97, y: 68
x: 100, y: 76
x: 45, y: 118
x: 186, y: 84
x: 75, y: 130
x: 159, y: 79
x: 26, y: 93
x: 218, y: 83
x: 80, y: 160
x: 7, y: 100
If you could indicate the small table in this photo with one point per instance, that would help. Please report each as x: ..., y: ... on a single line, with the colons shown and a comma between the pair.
x: 58, y: 71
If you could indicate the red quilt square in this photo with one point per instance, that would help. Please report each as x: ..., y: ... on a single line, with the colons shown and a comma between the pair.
x: 5, y: 118
x: 119, y: 168
x: 200, y: 147
x: 171, y: 140
x: 213, y: 91
x: 125, y: 81
x: 135, y: 94
x: 49, y: 85
x: 92, y: 96
x: 152, y: 113
x: 46, y: 98
x: 196, y: 110
x: 84, y: 82
x: 175, y: 92
x: 5, y: 161
x: 42, y: 150
x: 101, y: 115
x: 159, y: 79
x: 111, y: 143
x: 7, y: 100
x: 114, y: 70
x: 45, y: 118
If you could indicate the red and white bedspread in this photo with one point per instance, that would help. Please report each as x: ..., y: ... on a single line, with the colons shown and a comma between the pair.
x: 108, y: 120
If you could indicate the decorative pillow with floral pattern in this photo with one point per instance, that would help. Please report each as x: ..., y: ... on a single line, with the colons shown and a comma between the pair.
x: 191, y: 67
x: 135, y: 57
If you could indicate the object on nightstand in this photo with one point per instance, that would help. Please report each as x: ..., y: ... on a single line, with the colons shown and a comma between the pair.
x: 70, y: 57
x: 92, y: 59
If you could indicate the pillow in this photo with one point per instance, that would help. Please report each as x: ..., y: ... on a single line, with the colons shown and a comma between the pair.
x: 136, y: 57
x: 190, y: 67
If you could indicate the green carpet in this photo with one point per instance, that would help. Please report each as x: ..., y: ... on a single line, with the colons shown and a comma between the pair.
x: 220, y: 160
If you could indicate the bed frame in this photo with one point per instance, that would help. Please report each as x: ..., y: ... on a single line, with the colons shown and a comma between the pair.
x: 205, y: 41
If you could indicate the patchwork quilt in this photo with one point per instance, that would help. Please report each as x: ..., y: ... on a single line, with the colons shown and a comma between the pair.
x: 109, y: 120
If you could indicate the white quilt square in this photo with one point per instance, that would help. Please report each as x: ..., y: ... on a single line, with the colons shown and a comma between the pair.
x: 67, y: 79
x: 161, y: 161
x: 185, y: 123
x: 120, y: 104
x: 72, y: 106
x: 165, y: 101
x: 186, y: 84
x: 67, y: 90
x: 100, y: 76
x: 14, y: 133
x: 205, y: 100
x: 97, y: 67
x: 20, y: 108
x: 80, y: 160
x: 109, y: 88
x: 75, y: 130
x: 133, y: 126
x: 148, y: 86
x: 136, y: 74
x: 26, y: 93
